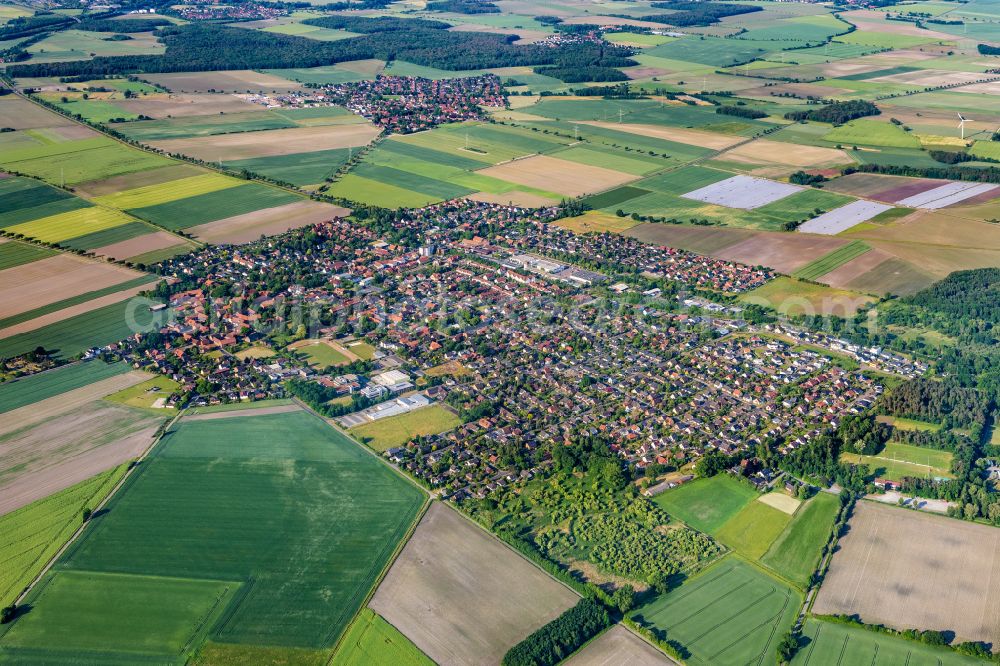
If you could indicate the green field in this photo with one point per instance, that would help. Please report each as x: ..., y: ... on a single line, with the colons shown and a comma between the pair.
x: 795, y: 553
x: 299, y: 169
x: 75, y: 300
x: 325, y: 76
x: 872, y: 133
x: 911, y: 424
x: 898, y: 460
x: 13, y: 253
x: 372, y: 640
x: 147, y: 393
x: 74, y: 224
x: 34, y: 533
x: 34, y: 388
x: 26, y: 199
x: 393, y: 431
x: 74, y: 335
x: 731, y: 614
x: 707, y: 504
x: 365, y: 190
x: 291, y: 523
x: 836, y: 644
x: 172, y: 190
x: 828, y: 262
x: 94, y: 110
x: 212, y: 206
x: 81, y: 160
x: 752, y: 531
x: 718, y: 52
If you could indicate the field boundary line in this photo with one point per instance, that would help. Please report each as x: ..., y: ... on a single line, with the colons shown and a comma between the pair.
x: 129, y: 473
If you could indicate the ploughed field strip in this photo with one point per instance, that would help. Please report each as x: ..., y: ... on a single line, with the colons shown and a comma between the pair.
x: 843, y: 218
x: 256, y: 529
x: 743, y: 192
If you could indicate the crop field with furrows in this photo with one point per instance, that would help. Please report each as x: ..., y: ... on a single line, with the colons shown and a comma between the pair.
x: 76, y: 223
x: 77, y: 161
x: 34, y: 533
x: 829, y: 262
x: 251, y: 120
x: 38, y: 387
x: 836, y: 644
x: 299, y: 169
x: 14, y: 253
x: 311, y: 519
x: 26, y: 199
x: 928, y: 589
x: 872, y: 133
x: 159, y: 193
x: 68, y: 337
x: 731, y: 613
x: 215, y: 205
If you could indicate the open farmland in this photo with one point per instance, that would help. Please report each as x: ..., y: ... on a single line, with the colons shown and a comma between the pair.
x: 215, y: 205
x: 26, y: 390
x: 33, y: 534
x: 55, y: 279
x: 13, y: 253
x: 249, y: 145
x: 266, y: 222
x: 461, y: 595
x: 731, y: 613
x: 557, y: 175
x: 79, y: 160
x: 829, y: 262
x: 311, y: 487
x: 707, y: 504
x: 393, y: 431
x: 843, y: 218
x: 618, y: 645
x: 930, y: 588
x: 796, y: 552
x: 836, y: 644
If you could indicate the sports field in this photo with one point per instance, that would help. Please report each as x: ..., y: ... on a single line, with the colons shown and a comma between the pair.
x: 898, y: 460
x: 319, y: 354
x: 835, y: 644
x: 795, y: 553
x: 393, y: 431
x: 309, y: 520
x: 707, y: 504
x: 730, y: 614
x: 929, y: 588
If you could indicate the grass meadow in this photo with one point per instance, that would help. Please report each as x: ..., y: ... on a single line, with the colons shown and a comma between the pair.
x: 397, y: 430
x: 796, y: 551
x: 707, y: 504
x: 302, y: 522
x: 899, y: 460
x: 372, y: 640
x: 752, y: 531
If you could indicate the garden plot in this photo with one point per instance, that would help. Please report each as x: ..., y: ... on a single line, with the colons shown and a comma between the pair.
x: 843, y: 218
x: 946, y: 195
x: 743, y: 192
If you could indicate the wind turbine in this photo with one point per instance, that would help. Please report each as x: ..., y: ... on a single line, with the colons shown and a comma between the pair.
x: 961, y: 124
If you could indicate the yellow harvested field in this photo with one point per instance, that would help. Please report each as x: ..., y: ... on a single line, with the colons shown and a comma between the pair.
x: 680, y: 135
x: 268, y: 143
x: 73, y: 224
x: 781, y: 502
x: 522, y: 101
x: 133, y: 247
x: 72, y: 311
x: 152, y: 195
x: 556, y: 175
x: 763, y: 151
x: 596, y: 221
x: 180, y: 105
x: 53, y: 279
x: 257, y: 351
x: 513, y: 198
x: 237, y: 80
x: 267, y: 222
